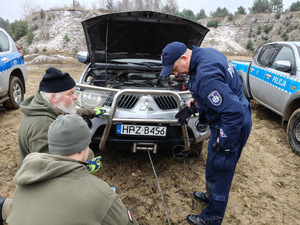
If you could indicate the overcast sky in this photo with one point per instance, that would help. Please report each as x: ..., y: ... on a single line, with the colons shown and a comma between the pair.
x: 12, y: 9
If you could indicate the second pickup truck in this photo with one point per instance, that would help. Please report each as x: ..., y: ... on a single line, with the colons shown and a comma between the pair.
x: 273, y: 80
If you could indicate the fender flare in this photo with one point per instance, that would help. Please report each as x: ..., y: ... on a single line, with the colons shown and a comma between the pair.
x: 292, y: 104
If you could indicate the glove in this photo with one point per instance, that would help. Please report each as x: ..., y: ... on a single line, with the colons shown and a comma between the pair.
x: 186, y: 112
x: 216, y: 146
x: 100, y: 112
x: 94, y: 164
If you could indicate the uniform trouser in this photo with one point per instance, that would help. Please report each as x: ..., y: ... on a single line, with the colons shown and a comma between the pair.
x: 220, y: 168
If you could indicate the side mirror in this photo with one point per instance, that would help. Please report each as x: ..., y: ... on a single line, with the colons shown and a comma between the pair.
x: 83, y: 57
x: 283, y: 65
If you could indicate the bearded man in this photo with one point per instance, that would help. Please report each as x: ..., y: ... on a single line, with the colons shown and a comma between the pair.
x: 56, y: 96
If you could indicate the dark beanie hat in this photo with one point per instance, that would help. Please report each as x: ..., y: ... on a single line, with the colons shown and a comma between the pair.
x: 68, y: 134
x: 56, y: 81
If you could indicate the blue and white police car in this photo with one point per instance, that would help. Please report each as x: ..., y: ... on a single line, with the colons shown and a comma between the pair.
x: 272, y: 78
x: 13, y: 72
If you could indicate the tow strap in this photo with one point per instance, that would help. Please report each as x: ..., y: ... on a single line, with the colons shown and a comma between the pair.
x: 162, y: 197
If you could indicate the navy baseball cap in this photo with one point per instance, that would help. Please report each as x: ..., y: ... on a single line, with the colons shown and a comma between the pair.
x: 169, y: 56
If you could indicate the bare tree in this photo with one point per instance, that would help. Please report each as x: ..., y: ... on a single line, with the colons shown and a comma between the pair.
x: 157, y: 5
x: 171, y: 7
x: 30, y: 7
x: 126, y: 5
x: 84, y: 4
x: 76, y: 4
x: 149, y: 4
x: 99, y: 5
x: 138, y: 4
x: 119, y: 7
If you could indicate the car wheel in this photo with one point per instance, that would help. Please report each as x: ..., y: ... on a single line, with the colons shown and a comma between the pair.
x: 293, y: 132
x: 15, y: 93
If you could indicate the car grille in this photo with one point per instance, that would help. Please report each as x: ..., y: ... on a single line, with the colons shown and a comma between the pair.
x: 166, y: 102
x: 128, y: 101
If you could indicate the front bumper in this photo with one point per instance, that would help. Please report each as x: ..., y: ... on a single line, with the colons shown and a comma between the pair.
x: 104, y: 131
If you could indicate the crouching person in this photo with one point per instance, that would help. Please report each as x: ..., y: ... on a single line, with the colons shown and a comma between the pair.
x: 57, y: 188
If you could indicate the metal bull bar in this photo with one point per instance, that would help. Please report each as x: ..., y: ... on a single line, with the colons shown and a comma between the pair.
x: 119, y: 93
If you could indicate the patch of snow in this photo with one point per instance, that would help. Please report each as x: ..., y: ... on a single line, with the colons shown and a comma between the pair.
x: 47, y: 59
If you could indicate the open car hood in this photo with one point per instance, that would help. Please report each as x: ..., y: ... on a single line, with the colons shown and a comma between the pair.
x: 138, y: 34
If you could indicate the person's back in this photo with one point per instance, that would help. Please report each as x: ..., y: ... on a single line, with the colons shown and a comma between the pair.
x: 58, y: 190
x: 210, y: 63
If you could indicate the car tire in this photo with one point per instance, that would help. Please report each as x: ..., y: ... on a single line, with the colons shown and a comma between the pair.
x: 15, y: 93
x: 293, y: 132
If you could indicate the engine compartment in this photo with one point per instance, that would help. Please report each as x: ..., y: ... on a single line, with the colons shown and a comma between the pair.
x: 121, y: 79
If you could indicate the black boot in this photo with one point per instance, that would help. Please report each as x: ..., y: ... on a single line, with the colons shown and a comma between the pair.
x: 195, y: 220
x: 2, y: 200
x: 201, y: 197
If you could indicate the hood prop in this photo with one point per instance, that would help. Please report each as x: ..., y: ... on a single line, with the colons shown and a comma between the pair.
x: 106, y: 44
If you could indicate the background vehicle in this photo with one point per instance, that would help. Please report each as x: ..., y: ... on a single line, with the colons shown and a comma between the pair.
x: 273, y: 80
x: 13, y: 72
x: 122, y: 76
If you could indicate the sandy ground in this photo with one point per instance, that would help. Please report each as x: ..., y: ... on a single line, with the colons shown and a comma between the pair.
x: 265, y: 189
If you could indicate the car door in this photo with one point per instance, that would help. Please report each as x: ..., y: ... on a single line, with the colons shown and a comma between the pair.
x: 258, y: 69
x: 278, y: 80
x: 4, y: 63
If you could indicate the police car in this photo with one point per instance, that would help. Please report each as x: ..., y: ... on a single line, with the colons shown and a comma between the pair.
x: 273, y: 80
x: 13, y: 72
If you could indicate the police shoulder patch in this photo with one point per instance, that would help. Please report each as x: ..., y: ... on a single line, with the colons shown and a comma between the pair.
x: 215, y: 98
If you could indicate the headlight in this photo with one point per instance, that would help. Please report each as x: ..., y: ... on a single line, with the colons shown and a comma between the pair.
x: 185, y: 98
x: 91, y: 99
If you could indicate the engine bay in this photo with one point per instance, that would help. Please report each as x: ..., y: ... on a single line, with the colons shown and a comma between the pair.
x: 121, y: 79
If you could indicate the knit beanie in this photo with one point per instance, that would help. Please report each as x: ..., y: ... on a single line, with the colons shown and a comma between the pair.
x: 55, y: 81
x: 68, y: 134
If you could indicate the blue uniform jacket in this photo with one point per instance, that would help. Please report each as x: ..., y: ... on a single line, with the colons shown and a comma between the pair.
x: 218, y: 90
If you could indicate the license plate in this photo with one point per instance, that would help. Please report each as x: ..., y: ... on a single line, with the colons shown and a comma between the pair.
x: 141, y: 130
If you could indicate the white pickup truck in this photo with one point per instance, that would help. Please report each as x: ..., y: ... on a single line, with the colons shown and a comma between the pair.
x: 13, y: 72
x: 273, y: 80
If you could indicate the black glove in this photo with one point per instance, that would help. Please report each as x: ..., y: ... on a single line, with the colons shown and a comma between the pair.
x: 186, y: 112
x: 216, y: 146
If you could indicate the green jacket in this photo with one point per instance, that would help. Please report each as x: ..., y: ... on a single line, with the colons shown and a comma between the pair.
x: 38, y: 116
x: 57, y: 190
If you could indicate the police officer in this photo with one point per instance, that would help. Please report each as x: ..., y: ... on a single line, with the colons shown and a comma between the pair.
x: 218, y: 93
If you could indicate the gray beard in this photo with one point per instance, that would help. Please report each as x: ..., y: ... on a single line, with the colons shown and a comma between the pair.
x: 71, y: 109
